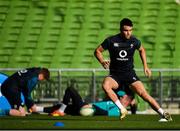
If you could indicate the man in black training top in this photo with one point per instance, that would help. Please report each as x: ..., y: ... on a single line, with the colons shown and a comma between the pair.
x: 24, y: 81
x: 121, y: 49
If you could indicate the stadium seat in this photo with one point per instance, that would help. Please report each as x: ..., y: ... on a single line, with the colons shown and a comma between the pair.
x: 63, y: 27
x: 5, y: 52
x: 4, y: 61
x: 176, y: 54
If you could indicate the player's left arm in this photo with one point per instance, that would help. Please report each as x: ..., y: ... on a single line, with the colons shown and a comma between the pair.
x: 142, y: 54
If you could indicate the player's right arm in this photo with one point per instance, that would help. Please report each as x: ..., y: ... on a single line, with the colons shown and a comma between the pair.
x: 98, y: 54
x: 28, y: 100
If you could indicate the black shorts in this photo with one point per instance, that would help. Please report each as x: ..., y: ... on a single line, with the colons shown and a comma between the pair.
x: 12, y: 93
x: 124, y: 78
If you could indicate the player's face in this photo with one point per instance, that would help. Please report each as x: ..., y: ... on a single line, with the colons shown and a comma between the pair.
x: 127, y: 31
x: 41, y: 77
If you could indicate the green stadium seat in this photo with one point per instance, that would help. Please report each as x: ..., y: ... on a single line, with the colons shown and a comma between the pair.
x: 20, y: 3
x: 113, y: 5
x: 28, y: 41
x: 12, y: 38
x: 5, y: 52
x: 55, y: 62
x: 3, y: 13
x: 59, y: 3
x: 4, y: 61
x: 176, y: 53
x: 2, y: 20
x: 50, y: 44
x: 20, y: 59
x: 64, y: 27
x: 9, y: 45
x: 162, y: 58
x: 176, y: 61
x: 23, y: 52
x: 41, y: 60
x: 95, y: 5
x: 5, y: 3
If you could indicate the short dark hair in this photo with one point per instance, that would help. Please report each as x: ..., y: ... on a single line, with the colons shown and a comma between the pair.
x: 125, y: 21
x: 45, y: 72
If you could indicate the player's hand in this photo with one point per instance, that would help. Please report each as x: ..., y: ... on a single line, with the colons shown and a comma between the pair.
x: 22, y: 111
x: 106, y: 64
x: 147, y: 72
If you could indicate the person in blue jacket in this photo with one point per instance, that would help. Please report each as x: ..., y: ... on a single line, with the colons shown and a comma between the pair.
x: 23, y: 81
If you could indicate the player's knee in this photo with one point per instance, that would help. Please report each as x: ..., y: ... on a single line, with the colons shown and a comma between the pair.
x: 107, y: 88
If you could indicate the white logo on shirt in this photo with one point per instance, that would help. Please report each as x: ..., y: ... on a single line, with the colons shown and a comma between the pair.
x: 116, y: 44
x: 21, y: 72
x: 134, y: 78
x: 131, y: 45
x: 122, y: 55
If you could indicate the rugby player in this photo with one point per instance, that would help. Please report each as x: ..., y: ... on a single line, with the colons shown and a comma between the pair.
x: 23, y: 81
x: 73, y: 102
x: 121, y: 49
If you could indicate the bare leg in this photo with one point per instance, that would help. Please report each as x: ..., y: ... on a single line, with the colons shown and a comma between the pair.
x: 138, y: 87
x: 108, y: 85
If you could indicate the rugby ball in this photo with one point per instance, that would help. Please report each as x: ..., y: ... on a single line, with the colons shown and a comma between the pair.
x: 86, y: 111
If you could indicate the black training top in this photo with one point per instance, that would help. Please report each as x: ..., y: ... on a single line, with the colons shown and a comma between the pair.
x: 121, y: 52
x: 26, y: 78
x: 26, y: 81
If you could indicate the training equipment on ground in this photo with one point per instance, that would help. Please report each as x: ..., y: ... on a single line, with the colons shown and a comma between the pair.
x: 87, y: 111
x: 163, y: 120
x: 55, y: 114
x: 58, y: 113
x: 59, y: 124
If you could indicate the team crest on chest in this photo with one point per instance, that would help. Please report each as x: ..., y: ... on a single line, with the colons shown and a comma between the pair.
x: 132, y: 45
x: 116, y: 44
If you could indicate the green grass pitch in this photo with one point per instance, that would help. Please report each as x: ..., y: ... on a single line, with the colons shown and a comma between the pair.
x: 36, y: 121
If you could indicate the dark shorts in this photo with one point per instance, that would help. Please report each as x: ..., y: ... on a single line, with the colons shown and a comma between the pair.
x: 125, y: 78
x: 12, y: 93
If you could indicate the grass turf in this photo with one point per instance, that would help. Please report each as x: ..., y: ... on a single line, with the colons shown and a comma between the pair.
x: 36, y: 121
